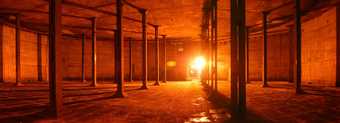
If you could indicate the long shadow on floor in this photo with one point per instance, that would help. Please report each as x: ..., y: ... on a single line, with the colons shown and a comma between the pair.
x: 220, y: 101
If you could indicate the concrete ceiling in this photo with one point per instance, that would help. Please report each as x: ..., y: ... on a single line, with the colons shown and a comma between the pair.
x: 177, y: 18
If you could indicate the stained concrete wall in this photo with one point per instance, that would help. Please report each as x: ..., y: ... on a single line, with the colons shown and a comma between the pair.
x: 28, y: 55
x: 277, y: 57
x: 319, y: 50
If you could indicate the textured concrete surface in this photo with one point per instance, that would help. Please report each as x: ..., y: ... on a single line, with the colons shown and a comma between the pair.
x: 173, y: 102
x: 278, y: 103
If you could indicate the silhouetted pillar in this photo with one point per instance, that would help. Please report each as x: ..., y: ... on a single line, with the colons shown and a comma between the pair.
x: 94, y: 52
x: 238, y: 82
x: 157, y: 55
x: 265, y: 50
x: 145, y: 50
x: 298, y: 45
x: 17, y: 50
x: 1, y: 55
x: 130, y: 61
x: 242, y: 55
x: 83, y: 57
x: 165, y: 58
x: 119, y: 56
x: 216, y: 43
x: 233, y: 57
x: 337, y: 46
x: 212, y: 46
x: 55, y: 58
x: 247, y: 54
x: 39, y: 57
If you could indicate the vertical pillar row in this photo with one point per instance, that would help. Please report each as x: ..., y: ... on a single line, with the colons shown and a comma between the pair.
x: 145, y: 50
x: 118, y: 47
x: 55, y: 58
x: 39, y: 60
x: 165, y: 58
x: 298, y: 45
x: 265, y: 49
x: 157, y: 55
x: 94, y: 52
x: 17, y: 50
x: 83, y: 38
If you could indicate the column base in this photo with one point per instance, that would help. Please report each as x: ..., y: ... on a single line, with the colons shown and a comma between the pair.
x: 144, y: 87
x: 119, y: 95
x: 156, y: 84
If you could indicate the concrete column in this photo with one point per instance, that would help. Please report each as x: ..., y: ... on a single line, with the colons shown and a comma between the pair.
x: 83, y: 38
x: 298, y: 45
x: 157, y: 55
x: 39, y: 57
x: 212, y: 46
x: 233, y: 57
x: 265, y: 50
x: 145, y: 50
x: 165, y: 58
x: 130, y: 61
x: 55, y: 58
x: 238, y: 82
x: 1, y: 55
x: 17, y: 50
x: 337, y: 46
x: 247, y: 54
x: 119, y: 56
x: 215, y: 43
x: 94, y: 52
x: 242, y: 56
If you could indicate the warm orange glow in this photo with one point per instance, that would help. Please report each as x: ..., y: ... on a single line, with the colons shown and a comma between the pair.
x: 198, y: 64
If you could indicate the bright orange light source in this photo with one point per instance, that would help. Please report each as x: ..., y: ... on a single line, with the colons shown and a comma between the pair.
x: 198, y: 64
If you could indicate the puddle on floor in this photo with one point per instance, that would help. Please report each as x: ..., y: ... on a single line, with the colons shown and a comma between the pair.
x: 209, y: 115
x: 213, y: 116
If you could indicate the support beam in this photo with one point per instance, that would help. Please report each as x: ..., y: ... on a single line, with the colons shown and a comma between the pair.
x: 130, y: 60
x: 17, y: 50
x: 39, y: 60
x: 157, y: 55
x: 165, y: 58
x: 242, y: 57
x: 55, y: 58
x: 94, y: 53
x: 211, y: 47
x: 233, y: 59
x: 215, y: 43
x: 145, y: 50
x: 247, y: 54
x: 337, y: 46
x: 238, y: 82
x: 119, y: 56
x: 265, y: 49
x: 83, y: 38
x: 298, y: 45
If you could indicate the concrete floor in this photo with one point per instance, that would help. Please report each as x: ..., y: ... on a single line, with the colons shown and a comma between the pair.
x: 173, y: 102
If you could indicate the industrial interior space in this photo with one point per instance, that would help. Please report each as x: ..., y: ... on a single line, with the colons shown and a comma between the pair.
x: 169, y: 61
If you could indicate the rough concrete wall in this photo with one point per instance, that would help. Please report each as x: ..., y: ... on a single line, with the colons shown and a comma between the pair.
x: 29, y: 69
x: 223, y: 64
x: 277, y: 57
x: 73, y: 58
x: 255, y: 52
x: 319, y: 50
x: 8, y: 54
x: 28, y: 56
x: 44, y: 57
